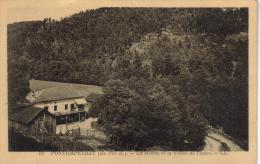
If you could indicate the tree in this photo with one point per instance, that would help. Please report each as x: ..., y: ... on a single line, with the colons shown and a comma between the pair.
x: 191, y: 62
x: 18, y: 81
x: 147, y: 120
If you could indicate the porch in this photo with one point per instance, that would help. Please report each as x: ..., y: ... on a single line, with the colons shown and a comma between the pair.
x: 66, y: 118
x: 72, y: 121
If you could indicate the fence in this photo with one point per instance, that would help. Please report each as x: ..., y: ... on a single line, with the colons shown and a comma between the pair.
x: 76, y: 138
x: 88, y: 132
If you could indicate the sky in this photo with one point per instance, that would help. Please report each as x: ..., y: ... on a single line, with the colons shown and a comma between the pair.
x: 26, y: 10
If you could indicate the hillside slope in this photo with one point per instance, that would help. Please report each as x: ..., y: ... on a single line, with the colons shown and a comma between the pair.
x: 196, y: 59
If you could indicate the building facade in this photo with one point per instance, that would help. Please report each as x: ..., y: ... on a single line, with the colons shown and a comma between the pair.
x: 69, y: 103
x: 66, y: 110
x: 32, y: 121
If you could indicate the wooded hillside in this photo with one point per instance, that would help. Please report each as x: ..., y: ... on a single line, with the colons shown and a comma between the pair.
x: 187, y: 68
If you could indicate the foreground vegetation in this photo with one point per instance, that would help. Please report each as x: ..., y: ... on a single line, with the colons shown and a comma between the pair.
x: 167, y: 73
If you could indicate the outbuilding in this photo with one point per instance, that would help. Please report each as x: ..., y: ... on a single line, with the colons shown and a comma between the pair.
x: 32, y: 121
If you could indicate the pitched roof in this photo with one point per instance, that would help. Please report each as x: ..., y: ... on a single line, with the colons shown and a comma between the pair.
x: 58, y: 93
x: 93, y: 96
x: 37, y: 85
x: 49, y: 91
x: 25, y: 115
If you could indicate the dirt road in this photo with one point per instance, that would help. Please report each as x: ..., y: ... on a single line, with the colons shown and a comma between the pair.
x: 215, y: 141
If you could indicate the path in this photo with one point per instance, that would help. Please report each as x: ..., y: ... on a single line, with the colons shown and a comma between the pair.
x: 214, y: 142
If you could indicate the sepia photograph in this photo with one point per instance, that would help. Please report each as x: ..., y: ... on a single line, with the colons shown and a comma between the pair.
x: 129, y: 79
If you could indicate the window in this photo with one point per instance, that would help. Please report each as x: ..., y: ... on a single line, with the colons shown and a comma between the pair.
x: 66, y: 106
x: 72, y: 106
x: 55, y: 107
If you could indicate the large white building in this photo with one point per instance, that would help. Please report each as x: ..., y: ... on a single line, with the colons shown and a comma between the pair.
x: 69, y: 103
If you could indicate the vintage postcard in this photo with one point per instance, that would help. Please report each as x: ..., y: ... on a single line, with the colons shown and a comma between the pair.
x: 128, y: 81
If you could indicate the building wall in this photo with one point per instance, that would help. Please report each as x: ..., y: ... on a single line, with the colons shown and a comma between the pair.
x: 60, y: 105
x: 45, y: 120
x: 33, y: 129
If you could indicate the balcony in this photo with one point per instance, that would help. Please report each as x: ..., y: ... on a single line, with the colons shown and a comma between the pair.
x: 78, y: 109
x: 73, y: 109
x: 81, y: 107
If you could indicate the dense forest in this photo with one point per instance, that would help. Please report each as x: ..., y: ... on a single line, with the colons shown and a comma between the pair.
x: 167, y: 73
